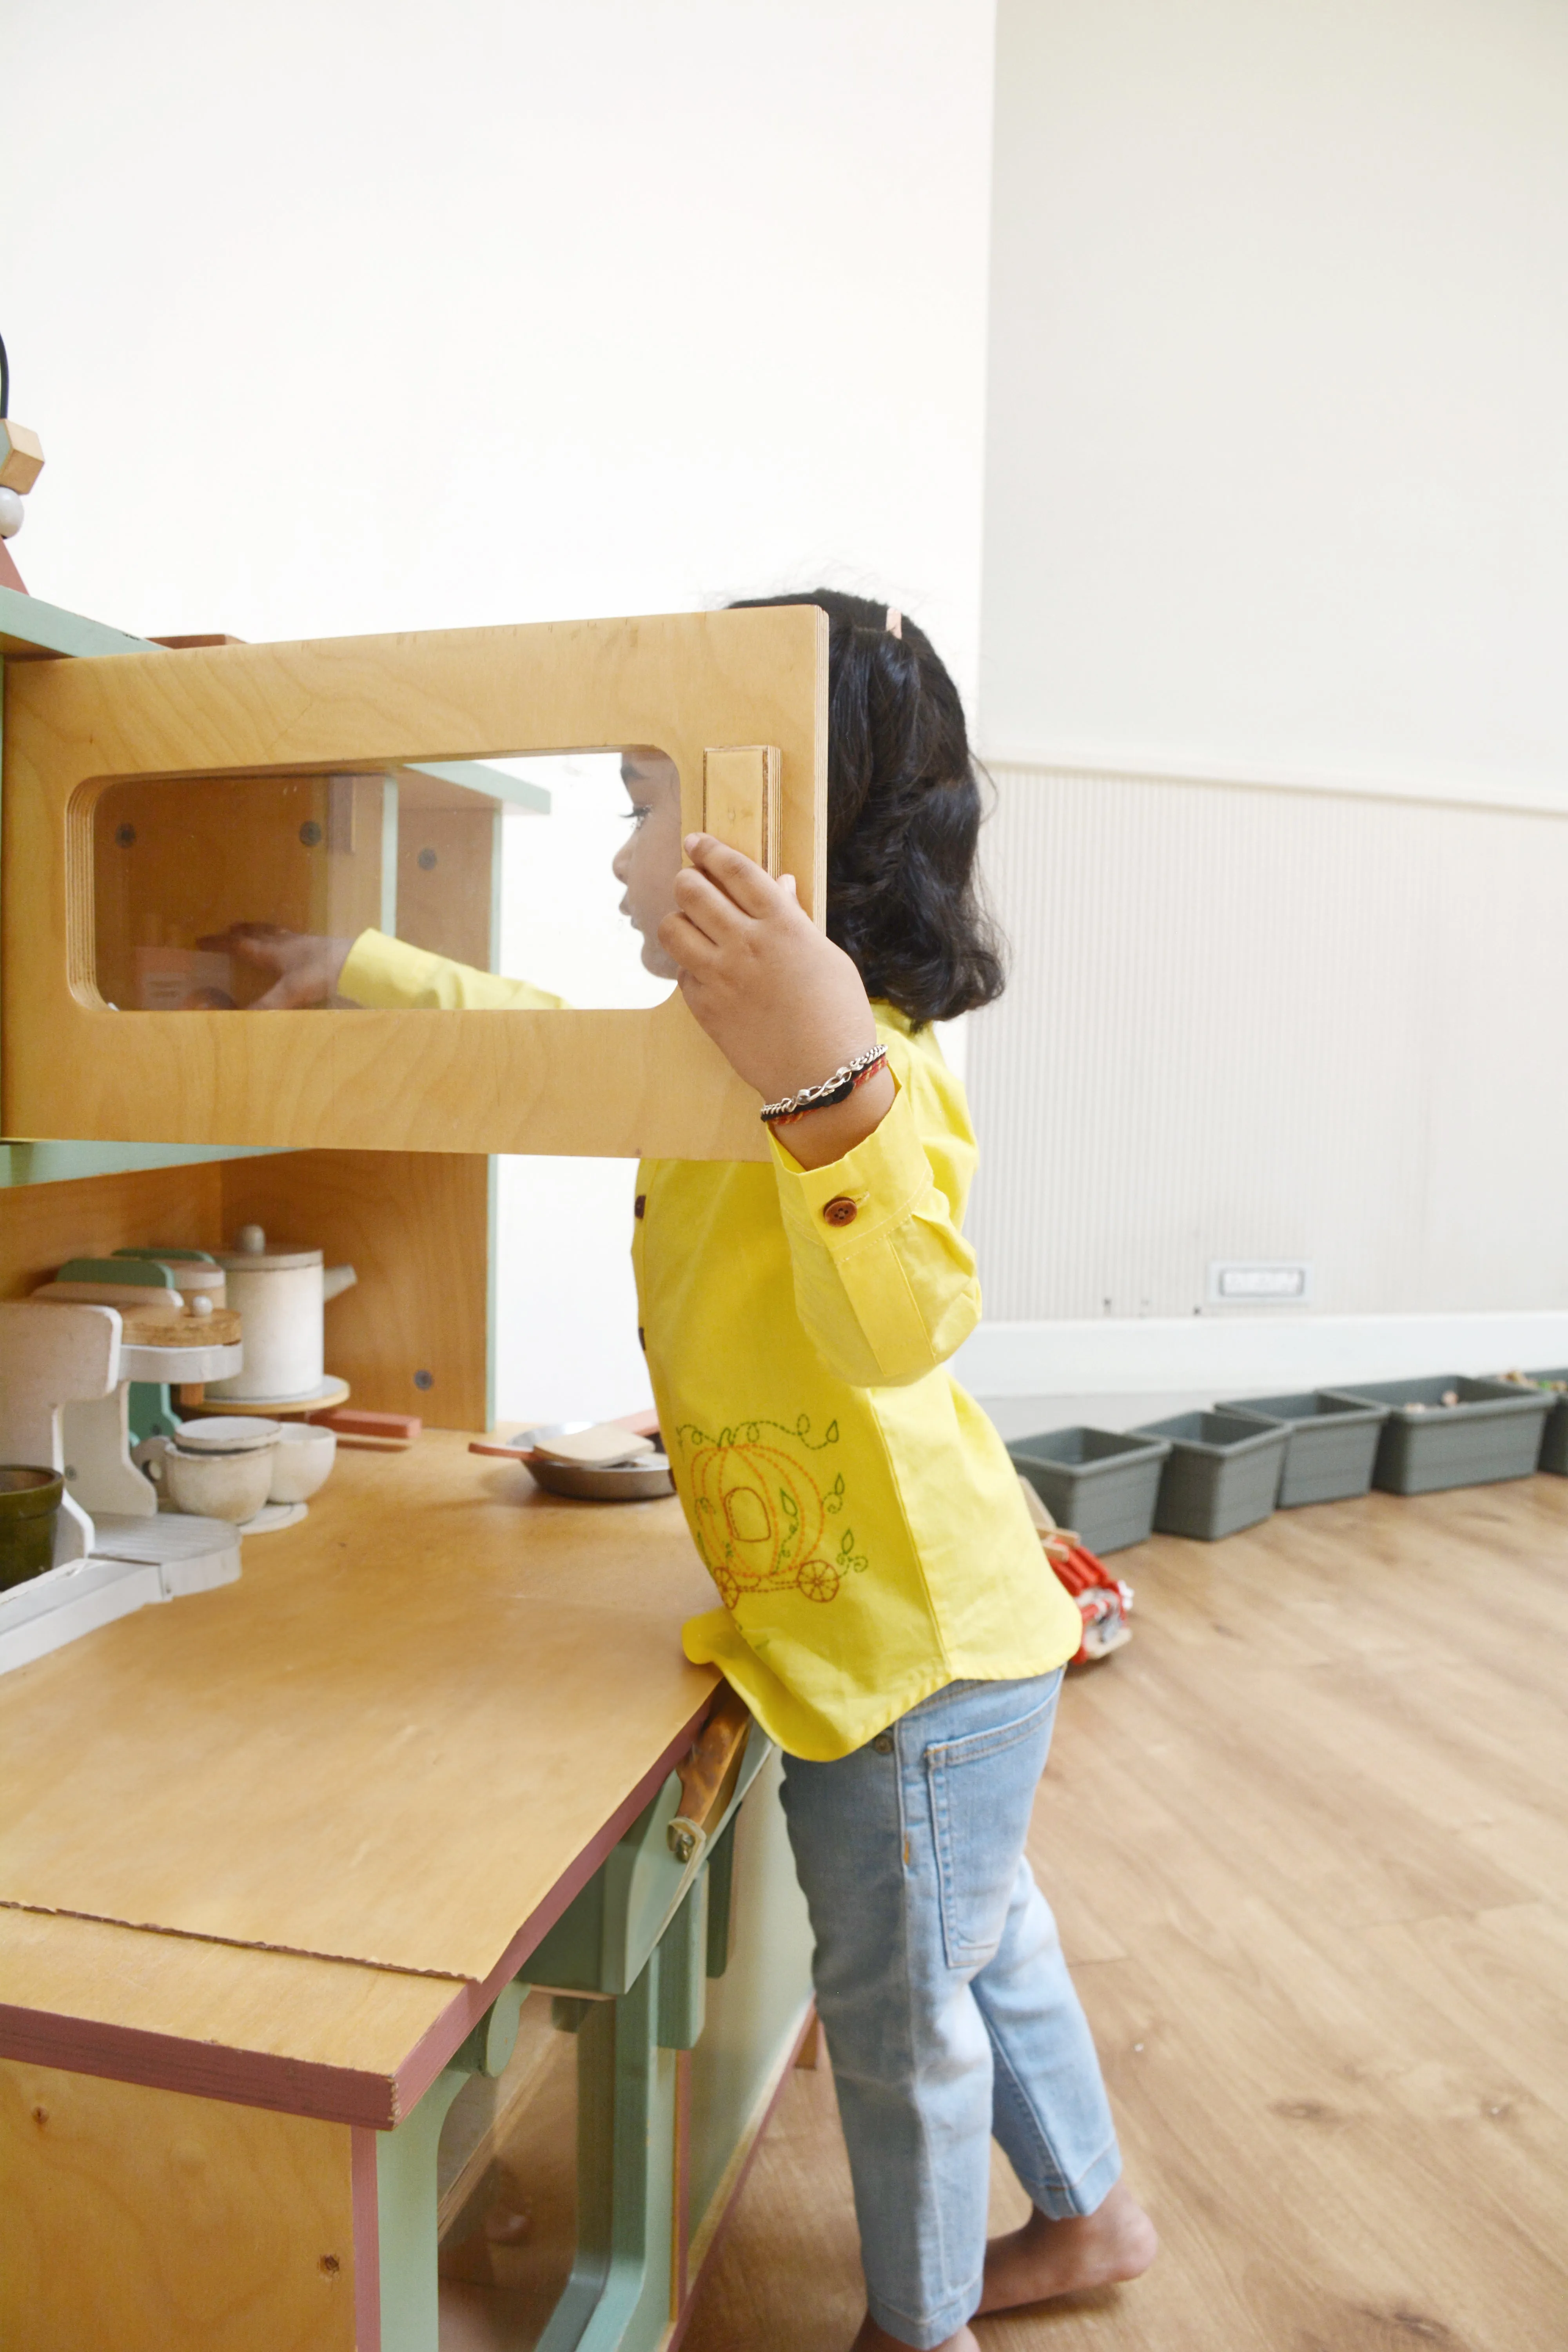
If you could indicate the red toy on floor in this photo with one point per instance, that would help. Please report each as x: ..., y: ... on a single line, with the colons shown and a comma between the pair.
x: 1104, y: 1603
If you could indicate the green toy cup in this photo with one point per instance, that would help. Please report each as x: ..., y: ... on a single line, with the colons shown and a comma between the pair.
x: 29, y: 1514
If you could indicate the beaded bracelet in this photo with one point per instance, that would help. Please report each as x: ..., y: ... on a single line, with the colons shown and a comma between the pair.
x: 835, y: 1089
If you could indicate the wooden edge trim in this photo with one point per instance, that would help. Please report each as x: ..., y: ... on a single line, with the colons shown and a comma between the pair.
x: 680, y: 2235
x: 367, y: 2240
x: 302, y: 2087
x: 206, y: 2070
x: 436, y: 2045
x: 709, y: 2232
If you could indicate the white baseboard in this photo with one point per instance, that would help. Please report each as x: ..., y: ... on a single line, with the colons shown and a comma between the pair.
x: 1230, y: 1355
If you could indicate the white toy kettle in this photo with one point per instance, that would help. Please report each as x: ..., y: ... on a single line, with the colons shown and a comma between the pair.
x: 280, y: 1293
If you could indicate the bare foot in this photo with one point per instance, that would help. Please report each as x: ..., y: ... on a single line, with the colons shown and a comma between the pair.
x: 873, y: 2338
x: 1047, y: 2258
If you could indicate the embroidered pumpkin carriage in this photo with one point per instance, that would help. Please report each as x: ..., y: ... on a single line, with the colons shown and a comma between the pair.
x: 761, y: 1512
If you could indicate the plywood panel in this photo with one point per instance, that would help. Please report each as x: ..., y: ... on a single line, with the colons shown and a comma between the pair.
x: 389, y: 1742
x: 149, y: 2221
x: 755, y: 2011
x: 493, y: 1081
x: 174, y: 861
x: 41, y: 1225
x: 415, y: 1228
x: 272, y: 2028
x: 446, y: 859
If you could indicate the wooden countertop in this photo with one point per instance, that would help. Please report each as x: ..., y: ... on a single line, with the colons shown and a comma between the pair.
x: 302, y: 1828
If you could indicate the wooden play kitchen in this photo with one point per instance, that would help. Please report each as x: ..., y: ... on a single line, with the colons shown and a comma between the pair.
x: 308, y: 1880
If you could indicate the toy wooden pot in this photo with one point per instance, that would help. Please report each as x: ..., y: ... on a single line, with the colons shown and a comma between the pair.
x: 29, y: 1512
x: 301, y: 1461
x: 280, y: 1293
x: 207, y: 1484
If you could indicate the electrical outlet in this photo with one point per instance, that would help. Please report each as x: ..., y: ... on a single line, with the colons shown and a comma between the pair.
x: 1259, y: 1282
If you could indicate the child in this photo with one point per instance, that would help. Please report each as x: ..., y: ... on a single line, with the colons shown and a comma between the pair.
x: 887, y: 1615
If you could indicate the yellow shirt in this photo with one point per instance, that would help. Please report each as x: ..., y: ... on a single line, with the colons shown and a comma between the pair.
x: 855, y: 1509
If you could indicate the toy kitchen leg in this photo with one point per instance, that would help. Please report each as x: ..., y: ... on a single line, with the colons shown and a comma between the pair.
x: 619, y: 2291
x: 623, y: 2289
x: 405, y: 2246
x: 686, y: 2023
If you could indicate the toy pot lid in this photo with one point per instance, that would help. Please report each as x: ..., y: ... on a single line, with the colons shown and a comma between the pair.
x: 251, y: 1253
x: 231, y: 1432
x: 192, y: 1279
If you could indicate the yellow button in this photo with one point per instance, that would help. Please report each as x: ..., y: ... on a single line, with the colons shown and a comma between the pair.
x: 841, y: 1210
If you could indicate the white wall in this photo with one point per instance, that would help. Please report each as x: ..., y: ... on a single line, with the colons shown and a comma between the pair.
x: 1279, y: 363
x: 1276, y: 493
x: 1268, y: 1027
x: 340, y: 318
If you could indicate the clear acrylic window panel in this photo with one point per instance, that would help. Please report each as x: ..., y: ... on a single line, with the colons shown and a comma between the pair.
x: 504, y: 867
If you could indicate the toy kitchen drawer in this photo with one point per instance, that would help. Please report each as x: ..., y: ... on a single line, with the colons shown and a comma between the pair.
x: 207, y: 851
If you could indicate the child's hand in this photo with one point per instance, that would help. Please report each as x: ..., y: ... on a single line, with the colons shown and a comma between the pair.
x: 782, y: 1003
x: 304, y: 968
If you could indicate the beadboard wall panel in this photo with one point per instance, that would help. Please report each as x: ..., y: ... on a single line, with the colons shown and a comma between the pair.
x: 1261, y: 1024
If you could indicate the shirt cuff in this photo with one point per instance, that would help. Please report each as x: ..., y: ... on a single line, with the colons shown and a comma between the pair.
x: 387, y: 975
x: 383, y: 972
x: 853, y: 1200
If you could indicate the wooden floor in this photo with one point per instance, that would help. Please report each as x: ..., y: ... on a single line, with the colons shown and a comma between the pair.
x: 1307, y: 1838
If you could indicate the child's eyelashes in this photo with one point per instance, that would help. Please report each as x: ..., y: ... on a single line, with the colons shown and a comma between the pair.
x: 635, y: 815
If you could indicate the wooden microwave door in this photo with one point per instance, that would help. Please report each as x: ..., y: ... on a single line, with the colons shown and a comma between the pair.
x: 614, y: 1083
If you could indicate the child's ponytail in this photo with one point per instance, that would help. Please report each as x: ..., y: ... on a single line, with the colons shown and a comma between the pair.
x: 903, y: 816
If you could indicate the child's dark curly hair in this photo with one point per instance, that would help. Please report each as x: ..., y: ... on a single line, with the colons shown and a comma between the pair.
x: 903, y: 817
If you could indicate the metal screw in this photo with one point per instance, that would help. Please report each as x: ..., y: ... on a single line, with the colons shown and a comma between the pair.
x: 311, y: 833
x: 125, y: 834
x: 330, y: 2264
x: 424, y: 1379
x: 682, y: 1840
x: 427, y: 861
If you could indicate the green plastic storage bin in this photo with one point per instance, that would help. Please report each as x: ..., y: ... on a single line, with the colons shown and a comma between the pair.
x: 1101, y: 1483
x: 1555, y: 1444
x: 1493, y: 1431
x: 1332, y: 1445
x: 1222, y: 1474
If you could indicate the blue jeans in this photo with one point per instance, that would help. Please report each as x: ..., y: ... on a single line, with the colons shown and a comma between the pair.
x: 941, y: 1984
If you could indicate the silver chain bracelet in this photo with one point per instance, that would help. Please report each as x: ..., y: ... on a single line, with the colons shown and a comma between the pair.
x: 841, y: 1084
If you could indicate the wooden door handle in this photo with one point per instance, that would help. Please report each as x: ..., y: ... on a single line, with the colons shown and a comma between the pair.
x: 741, y: 799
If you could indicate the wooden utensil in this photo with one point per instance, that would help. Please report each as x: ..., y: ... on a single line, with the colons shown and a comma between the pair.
x: 595, y: 1448
x: 709, y: 1773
